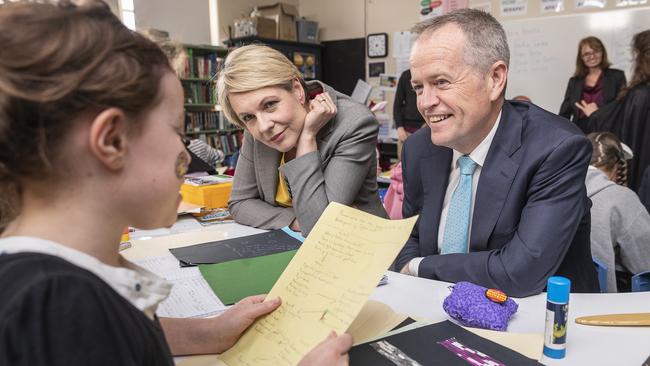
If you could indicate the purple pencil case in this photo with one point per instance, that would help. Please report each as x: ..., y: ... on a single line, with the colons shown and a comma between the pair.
x: 476, y: 306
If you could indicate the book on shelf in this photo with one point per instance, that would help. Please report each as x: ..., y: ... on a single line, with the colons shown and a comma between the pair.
x: 228, y: 143
x: 200, y: 93
x: 201, y: 64
x: 196, y: 121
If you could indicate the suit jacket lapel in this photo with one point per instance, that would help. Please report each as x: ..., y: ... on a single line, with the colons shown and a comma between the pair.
x: 435, y: 177
x: 267, y: 161
x: 496, y: 178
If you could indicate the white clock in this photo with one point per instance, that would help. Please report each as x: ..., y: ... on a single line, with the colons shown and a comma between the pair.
x: 377, y: 45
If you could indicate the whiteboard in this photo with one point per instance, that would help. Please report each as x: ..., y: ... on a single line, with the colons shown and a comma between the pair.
x: 543, y: 50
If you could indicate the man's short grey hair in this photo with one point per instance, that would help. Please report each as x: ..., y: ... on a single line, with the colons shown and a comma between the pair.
x: 486, y: 39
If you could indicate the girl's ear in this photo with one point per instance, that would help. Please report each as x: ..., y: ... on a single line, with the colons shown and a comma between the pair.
x: 108, y: 138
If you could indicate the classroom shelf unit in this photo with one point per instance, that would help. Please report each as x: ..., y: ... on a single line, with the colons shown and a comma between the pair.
x: 306, y: 56
x: 204, y: 118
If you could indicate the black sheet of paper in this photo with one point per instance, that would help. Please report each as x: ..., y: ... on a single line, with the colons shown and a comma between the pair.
x: 422, y: 345
x: 404, y: 323
x: 271, y: 242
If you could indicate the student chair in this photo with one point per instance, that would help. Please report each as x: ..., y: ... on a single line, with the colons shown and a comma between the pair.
x: 382, y: 193
x: 641, y: 282
x: 601, y: 269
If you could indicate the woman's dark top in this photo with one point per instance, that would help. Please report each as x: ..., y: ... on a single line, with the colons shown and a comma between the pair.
x: 55, y: 313
x: 405, y: 108
x: 613, y: 81
x: 593, y: 94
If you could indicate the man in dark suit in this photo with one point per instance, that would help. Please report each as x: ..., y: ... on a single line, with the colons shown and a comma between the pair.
x: 499, y: 185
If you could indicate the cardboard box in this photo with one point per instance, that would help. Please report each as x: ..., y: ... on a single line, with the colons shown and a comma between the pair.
x: 285, y: 17
x: 266, y: 28
x: 213, y: 196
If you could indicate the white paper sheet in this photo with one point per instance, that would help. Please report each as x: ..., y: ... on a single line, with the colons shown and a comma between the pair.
x: 191, y: 296
x: 361, y: 91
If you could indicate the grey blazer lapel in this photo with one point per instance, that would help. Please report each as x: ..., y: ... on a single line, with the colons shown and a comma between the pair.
x: 497, y: 175
x: 435, y: 177
x: 267, y: 161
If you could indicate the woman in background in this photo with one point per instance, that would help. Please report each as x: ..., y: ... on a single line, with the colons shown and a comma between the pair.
x: 91, y: 129
x: 593, y: 84
x: 629, y: 117
x: 305, y: 144
x: 620, y: 224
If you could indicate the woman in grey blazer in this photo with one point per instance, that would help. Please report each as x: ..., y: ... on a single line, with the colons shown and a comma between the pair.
x: 305, y: 144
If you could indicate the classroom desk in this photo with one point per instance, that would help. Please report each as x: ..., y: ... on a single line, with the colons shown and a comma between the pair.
x: 586, y: 345
x: 423, y: 298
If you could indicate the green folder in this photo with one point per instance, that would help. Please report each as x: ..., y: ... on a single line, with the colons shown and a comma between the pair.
x: 234, y: 280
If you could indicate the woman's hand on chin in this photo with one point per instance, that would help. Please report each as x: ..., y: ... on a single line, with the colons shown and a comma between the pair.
x: 321, y: 110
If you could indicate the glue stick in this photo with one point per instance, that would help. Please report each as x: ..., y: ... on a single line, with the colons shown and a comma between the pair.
x: 557, y: 312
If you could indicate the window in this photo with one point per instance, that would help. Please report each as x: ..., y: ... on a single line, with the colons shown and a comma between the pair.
x: 128, y: 13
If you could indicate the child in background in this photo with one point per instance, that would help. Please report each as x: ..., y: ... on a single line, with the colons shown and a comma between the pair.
x: 177, y: 58
x: 206, y: 152
x: 620, y: 225
x: 91, y: 129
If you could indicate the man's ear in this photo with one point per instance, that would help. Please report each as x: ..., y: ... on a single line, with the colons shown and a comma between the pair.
x: 298, y: 91
x: 497, y: 79
x: 108, y: 137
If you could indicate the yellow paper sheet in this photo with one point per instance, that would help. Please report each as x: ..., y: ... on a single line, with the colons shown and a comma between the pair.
x: 375, y: 320
x: 528, y: 344
x: 324, y: 287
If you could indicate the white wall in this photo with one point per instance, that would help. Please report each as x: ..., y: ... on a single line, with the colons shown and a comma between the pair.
x: 186, y: 21
x: 338, y: 19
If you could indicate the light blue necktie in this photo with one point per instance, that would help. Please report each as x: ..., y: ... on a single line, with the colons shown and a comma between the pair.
x: 457, y: 225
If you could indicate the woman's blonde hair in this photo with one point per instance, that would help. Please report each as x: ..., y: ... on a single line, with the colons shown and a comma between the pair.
x: 253, y: 67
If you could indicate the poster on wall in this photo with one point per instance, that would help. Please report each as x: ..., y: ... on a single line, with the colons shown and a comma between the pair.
x: 401, y: 64
x: 451, y: 5
x: 551, y: 6
x: 388, y: 82
x: 402, y: 43
x: 486, y: 7
x: 376, y: 68
x: 514, y: 7
x: 431, y: 9
x: 306, y: 64
x: 630, y: 2
x: 587, y: 4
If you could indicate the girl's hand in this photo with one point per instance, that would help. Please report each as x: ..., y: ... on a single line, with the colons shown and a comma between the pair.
x: 239, y: 317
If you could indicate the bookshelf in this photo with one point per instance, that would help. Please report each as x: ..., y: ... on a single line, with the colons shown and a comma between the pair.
x: 204, y: 119
x: 306, y: 56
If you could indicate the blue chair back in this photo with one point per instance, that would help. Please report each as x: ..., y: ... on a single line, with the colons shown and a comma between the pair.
x: 601, y: 269
x: 382, y: 193
x: 641, y: 282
